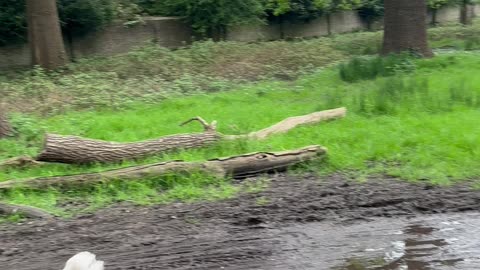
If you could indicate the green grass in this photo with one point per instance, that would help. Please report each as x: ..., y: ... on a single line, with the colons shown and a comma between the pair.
x: 152, y: 73
x: 417, y: 126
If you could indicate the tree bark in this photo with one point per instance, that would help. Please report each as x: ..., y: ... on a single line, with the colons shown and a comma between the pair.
x: 237, y: 167
x: 44, y: 33
x: 406, y: 27
x: 6, y: 129
x: 77, y: 150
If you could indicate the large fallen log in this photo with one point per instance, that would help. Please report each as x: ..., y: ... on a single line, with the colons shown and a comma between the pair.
x: 236, y: 166
x: 77, y: 150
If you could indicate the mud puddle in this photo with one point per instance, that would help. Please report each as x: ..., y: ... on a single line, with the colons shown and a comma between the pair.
x: 299, y: 222
x: 434, y: 242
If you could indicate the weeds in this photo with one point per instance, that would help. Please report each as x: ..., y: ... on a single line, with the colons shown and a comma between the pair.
x: 411, y: 118
x: 151, y: 74
x: 367, y: 68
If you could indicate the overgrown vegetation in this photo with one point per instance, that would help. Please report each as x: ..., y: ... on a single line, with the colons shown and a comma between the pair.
x: 152, y: 73
x: 420, y: 124
x: 209, y: 18
x: 367, y: 68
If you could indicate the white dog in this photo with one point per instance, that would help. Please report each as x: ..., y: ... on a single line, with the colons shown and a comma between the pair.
x: 83, y: 261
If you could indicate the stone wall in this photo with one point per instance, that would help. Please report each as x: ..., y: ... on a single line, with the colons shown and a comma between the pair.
x: 117, y: 38
x: 114, y: 39
x: 172, y: 33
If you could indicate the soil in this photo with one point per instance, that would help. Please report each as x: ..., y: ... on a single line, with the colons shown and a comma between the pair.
x: 238, y: 233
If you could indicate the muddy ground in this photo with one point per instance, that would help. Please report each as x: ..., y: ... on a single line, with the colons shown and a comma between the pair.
x: 232, y: 234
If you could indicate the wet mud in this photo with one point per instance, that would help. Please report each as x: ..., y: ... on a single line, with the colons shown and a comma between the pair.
x: 299, y: 222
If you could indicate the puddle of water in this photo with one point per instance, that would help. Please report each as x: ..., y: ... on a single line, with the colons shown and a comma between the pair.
x: 437, y: 242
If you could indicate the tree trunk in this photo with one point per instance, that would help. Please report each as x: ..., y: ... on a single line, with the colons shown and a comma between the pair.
x: 241, y: 166
x: 6, y: 129
x: 77, y: 150
x: 406, y: 27
x: 44, y: 33
x: 466, y: 13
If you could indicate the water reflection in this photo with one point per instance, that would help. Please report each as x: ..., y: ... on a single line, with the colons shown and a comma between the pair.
x: 428, y: 243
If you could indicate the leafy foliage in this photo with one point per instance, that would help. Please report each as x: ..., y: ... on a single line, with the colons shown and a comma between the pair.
x: 210, y: 17
x: 87, y: 15
x: 12, y: 21
x: 76, y: 16
x: 308, y: 9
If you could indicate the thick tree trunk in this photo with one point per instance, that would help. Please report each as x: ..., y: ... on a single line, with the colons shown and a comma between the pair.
x: 6, y: 129
x: 76, y: 150
x: 237, y: 167
x: 406, y: 27
x: 45, y: 36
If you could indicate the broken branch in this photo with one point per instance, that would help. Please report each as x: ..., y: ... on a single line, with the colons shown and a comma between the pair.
x: 236, y: 166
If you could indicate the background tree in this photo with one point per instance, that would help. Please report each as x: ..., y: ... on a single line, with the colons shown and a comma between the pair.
x: 466, y: 11
x: 44, y: 34
x: 406, y: 27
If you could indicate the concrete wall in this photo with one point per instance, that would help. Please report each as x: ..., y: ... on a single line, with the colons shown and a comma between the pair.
x: 315, y: 28
x: 171, y: 32
x: 15, y: 56
x: 117, y: 38
x: 344, y: 22
x: 247, y: 33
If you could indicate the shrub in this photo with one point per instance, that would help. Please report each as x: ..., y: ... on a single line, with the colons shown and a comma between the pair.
x: 209, y: 18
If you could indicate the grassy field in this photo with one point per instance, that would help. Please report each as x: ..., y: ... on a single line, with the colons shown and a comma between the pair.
x: 420, y: 124
x: 410, y: 118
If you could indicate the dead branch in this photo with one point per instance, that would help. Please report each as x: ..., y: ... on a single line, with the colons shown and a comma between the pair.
x: 236, y: 166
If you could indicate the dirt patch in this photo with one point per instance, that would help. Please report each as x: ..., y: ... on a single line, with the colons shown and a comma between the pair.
x: 231, y: 234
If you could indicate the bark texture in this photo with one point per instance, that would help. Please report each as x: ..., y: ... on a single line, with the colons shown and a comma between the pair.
x: 237, y: 167
x: 6, y: 129
x: 77, y: 150
x: 406, y: 27
x: 45, y: 35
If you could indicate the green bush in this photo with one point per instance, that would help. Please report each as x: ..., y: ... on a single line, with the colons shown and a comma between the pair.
x: 81, y: 16
x: 76, y: 17
x: 12, y: 21
x: 209, y: 18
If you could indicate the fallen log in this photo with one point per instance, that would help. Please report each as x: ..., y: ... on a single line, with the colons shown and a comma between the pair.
x: 236, y: 167
x: 77, y: 150
x: 27, y: 211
